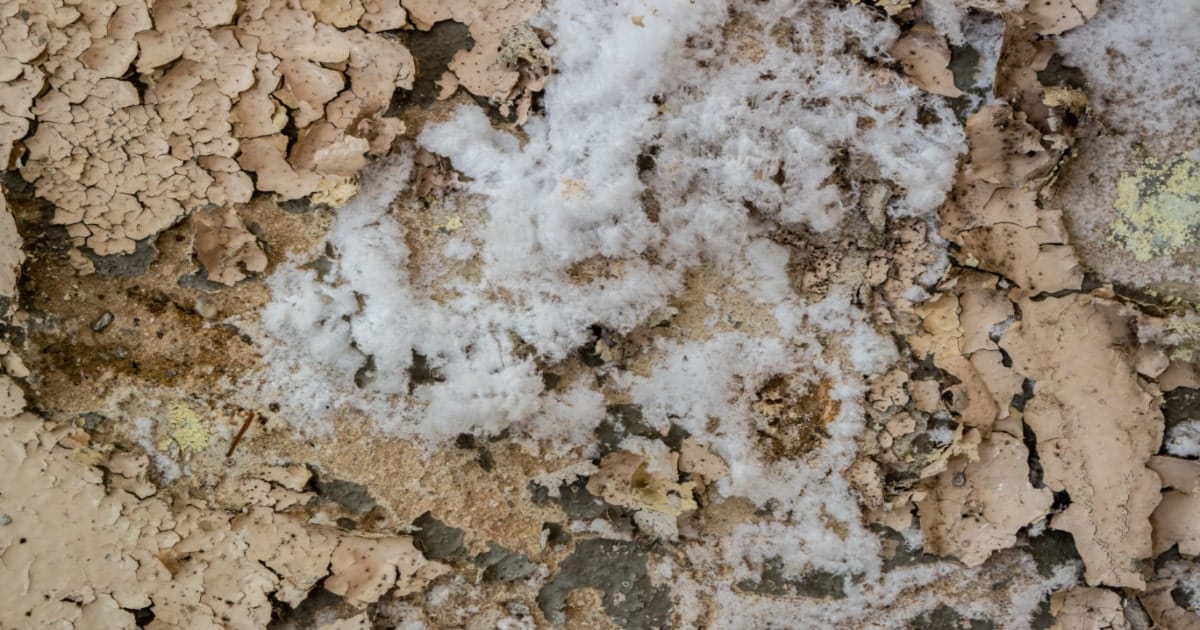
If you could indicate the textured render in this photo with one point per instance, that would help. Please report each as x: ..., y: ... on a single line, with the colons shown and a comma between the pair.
x: 370, y: 313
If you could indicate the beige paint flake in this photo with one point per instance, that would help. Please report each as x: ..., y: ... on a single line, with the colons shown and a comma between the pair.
x: 364, y: 569
x: 864, y: 476
x: 383, y: 15
x: 993, y: 212
x: 909, y: 257
x: 12, y: 397
x: 121, y: 165
x: 1096, y: 426
x: 339, y: 13
x: 1176, y: 520
x: 300, y: 555
x: 888, y: 390
x: 339, y: 120
x: 11, y: 257
x: 11, y: 363
x: 62, y: 521
x: 892, y: 7
x: 266, y: 157
x: 926, y: 396
x: 1151, y: 361
x: 508, y: 62
x: 111, y: 197
x: 925, y: 56
x: 625, y: 479
x: 1158, y: 603
x: 942, y: 337
x: 1086, y: 608
x: 1054, y: 17
x: 700, y: 462
x: 1095, y: 415
x: 994, y: 215
x: 1179, y: 374
x: 984, y: 308
x: 974, y: 508
x: 940, y: 330
x: 86, y: 547
x: 223, y: 245
x: 324, y: 148
x: 1023, y: 55
x: 307, y: 87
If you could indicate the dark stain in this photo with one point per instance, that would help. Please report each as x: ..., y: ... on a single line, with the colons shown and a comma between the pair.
x: 504, y: 565
x: 432, y: 50
x: 946, y: 618
x: 815, y: 584
x: 437, y: 540
x: 617, y: 569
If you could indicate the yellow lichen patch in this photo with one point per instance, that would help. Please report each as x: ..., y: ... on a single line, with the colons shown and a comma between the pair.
x: 87, y: 456
x: 624, y: 478
x: 334, y: 194
x: 339, y: 13
x: 661, y: 495
x: 188, y: 429
x: 1158, y: 207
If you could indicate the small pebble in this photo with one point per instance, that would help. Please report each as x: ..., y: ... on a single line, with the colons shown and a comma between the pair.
x: 102, y: 322
x: 205, y: 308
x: 5, y: 520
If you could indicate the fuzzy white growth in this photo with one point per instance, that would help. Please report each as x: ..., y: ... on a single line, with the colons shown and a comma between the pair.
x: 1183, y: 439
x: 781, y: 132
x: 744, y: 140
x: 889, y: 600
x: 741, y: 146
x: 1140, y: 58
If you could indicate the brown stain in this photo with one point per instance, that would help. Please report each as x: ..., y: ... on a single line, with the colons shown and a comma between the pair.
x: 792, y: 421
x: 158, y: 337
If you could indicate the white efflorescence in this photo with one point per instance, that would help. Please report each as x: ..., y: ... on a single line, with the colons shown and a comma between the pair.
x: 1140, y: 59
x: 1007, y: 596
x: 740, y: 147
x: 745, y: 139
x: 1183, y: 439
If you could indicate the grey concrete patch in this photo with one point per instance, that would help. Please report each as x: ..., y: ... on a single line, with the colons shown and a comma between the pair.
x: 617, y: 569
x: 432, y: 50
x: 352, y: 496
x: 946, y: 618
x: 1181, y: 404
x: 317, y: 610
x: 816, y: 584
x: 581, y: 505
x: 504, y: 565
x: 135, y: 264
x: 437, y: 540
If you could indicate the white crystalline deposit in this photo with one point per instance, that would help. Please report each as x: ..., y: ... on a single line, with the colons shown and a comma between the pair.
x: 780, y: 123
x: 778, y: 119
x: 1140, y: 59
